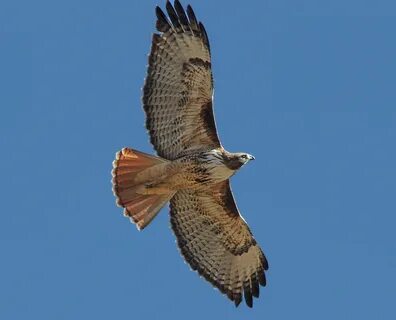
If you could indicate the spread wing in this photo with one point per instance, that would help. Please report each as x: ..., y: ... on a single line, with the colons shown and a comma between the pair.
x: 216, y: 241
x: 177, y: 94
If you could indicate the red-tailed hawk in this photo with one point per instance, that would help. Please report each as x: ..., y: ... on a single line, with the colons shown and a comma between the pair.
x: 193, y: 169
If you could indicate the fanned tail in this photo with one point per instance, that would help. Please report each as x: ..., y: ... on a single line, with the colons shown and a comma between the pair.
x: 133, y: 173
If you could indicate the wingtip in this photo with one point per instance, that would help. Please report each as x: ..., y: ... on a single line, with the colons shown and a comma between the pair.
x: 262, y: 279
x: 255, y: 287
x: 248, y: 297
x: 162, y: 23
x: 158, y: 10
x: 265, y: 263
x: 237, y: 300
x: 204, y: 35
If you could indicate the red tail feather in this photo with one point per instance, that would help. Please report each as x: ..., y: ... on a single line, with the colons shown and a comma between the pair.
x: 130, y: 179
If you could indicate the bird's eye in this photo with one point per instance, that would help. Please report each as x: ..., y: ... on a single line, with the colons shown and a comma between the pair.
x: 244, y: 156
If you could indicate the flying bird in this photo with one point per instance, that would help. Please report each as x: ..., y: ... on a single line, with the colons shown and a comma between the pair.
x: 192, y: 169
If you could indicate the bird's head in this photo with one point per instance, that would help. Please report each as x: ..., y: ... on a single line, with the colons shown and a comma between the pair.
x: 244, y: 157
x: 237, y: 160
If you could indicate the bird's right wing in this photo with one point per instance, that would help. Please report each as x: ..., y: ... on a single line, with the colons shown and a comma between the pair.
x: 216, y: 241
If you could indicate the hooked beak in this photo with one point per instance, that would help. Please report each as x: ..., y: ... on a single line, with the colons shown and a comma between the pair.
x: 251, y: 157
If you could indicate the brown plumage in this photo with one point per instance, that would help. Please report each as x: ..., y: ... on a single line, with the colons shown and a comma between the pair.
x: 193, y: 169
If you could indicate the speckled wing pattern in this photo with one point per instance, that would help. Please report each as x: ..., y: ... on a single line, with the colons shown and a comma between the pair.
x: 177, y: 94
x: 177, y: 98
x: 216, y: 241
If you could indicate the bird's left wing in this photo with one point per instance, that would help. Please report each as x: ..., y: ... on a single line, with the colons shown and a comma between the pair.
x: 177, y: 94
x: 216, y: 241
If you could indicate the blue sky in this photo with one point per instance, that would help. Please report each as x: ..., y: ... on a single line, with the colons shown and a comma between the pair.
x: 308, y: 87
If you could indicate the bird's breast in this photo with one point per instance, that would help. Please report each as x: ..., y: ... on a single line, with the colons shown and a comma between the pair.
x: 220, y: 172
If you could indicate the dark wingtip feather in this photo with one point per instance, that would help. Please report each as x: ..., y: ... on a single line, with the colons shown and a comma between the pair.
x: 265, y: 262
x: 162, y: 24
x: 204, y: 35
x: 182, y: 15
x: 248, y: 296
x: 262, y: 279
x: 238, y: 300
x: 255, y: 289
x: 192, y: 18
x: 173, y: 16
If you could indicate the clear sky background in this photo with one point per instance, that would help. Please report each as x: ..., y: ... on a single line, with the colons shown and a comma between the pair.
x: 308, y: 87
